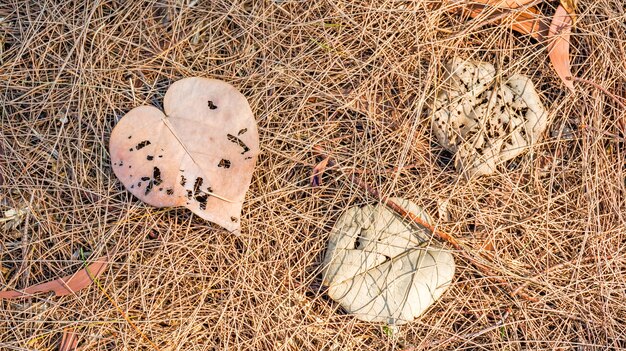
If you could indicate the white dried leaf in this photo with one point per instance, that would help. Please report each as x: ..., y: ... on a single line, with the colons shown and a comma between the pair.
x: 484, y: 122
x: 380, y: 268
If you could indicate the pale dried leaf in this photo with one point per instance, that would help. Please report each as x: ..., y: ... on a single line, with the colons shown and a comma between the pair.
x: 558, y: 48
x: 485, y: 121
x: 380, y: 268
x: 63, y: 286
x: 199, y: 154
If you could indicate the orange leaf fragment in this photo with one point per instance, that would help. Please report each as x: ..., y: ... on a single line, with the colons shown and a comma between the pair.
x: 558, y: 47
x: 62, y: 286
x: 508, y: 4
x: 530, y: 22
x: 527, y: 21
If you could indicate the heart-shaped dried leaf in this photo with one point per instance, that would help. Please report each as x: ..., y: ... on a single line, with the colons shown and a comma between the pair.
x: 380, y: 268
x: 65, y: 285
x: 199, y: 154
x: 558, y: 49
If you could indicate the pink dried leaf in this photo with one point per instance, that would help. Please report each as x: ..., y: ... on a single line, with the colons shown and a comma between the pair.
x: 558, y: 47
x: 199, y: 153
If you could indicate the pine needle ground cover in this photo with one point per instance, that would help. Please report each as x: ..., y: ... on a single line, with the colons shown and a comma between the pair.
x: 349, y: 78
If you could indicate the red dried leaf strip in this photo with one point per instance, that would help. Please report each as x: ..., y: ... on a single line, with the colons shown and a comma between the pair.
x: 558, y: 47
x: 62, y: 286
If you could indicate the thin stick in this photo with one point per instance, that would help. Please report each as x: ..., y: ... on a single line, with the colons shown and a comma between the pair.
x: 488, y: 272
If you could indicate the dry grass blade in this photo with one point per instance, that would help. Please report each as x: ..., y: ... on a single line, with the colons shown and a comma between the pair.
x: 63, y: 286
x: 71, y: 69
x: 559, y: 43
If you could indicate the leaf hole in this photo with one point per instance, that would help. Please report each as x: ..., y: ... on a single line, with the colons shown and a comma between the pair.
x: 211, y: 105
x: 197, y: 184
x: 202, y: 199
x: 183, y: 180
x: 224, y: 163
x: 143, y: 144
x: 156, y: 176
x: 150, y: 158
x: 149, y: 188
x: 238, y: 141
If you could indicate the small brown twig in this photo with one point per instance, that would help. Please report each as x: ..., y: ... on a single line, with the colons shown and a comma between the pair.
x: 622, y: 123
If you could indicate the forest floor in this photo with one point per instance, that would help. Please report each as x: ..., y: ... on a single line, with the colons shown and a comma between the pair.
x: 353, y: 78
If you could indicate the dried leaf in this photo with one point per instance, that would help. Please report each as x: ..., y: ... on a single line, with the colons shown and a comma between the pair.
x: 488, y: 245
x: 199, y: 154
x: 69, y: 341
x: 381, y: 268
x: 507, y: 4
x: 558, y: 48
x: 472, y: 116
x: 569, y: 6
x: 528, y: 21
x: 318, y: 172
x: 63, y: 286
